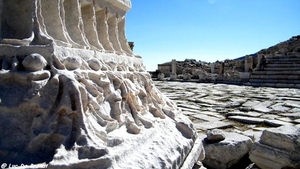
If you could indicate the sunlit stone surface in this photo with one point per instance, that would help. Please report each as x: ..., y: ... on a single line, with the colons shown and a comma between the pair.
x: 73, y: 94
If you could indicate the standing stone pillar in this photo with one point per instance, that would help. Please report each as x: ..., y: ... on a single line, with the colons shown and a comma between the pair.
x: 246, y: 64
x: 212, y: 69
x: 251, y: 63
x: 258, y: 60
x: 244, y: 76
x: 222, y: 67
x: 173, y: 75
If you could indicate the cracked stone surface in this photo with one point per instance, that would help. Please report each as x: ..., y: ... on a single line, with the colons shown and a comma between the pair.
x: 244, y: 107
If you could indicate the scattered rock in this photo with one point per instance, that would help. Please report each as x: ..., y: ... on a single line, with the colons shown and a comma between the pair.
x: 214, y: 136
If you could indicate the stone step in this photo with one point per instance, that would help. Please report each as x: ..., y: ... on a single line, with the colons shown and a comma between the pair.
x: 276, y: 77
x: 276, y: 72
x: 283, y: 61
x: 285, y: 81
x: 268, y: 68
x: 283, y: 57
x: 280, y: 71
x: 283, y: 65
x: 279, y: 85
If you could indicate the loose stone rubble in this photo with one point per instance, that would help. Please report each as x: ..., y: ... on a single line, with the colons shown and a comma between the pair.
x: 245, y: 110
x: 73, y: 94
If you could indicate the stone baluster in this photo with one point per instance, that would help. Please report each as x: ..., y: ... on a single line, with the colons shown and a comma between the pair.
x: 102, y: 29
x: 52, y: 24
x: 73, y: 23
x: 113, y: 32
x: 122, y: 37
x: 89, y: 21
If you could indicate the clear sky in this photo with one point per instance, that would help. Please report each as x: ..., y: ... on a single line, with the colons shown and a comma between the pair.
x: 208, y: 30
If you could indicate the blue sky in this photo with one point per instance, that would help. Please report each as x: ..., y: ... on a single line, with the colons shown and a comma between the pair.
x: 208, y: 30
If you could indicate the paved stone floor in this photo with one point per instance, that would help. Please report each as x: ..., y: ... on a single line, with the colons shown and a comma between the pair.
x: 242, y: 109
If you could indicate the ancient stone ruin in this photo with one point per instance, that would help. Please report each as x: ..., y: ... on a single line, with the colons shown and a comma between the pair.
x: 74, y: 95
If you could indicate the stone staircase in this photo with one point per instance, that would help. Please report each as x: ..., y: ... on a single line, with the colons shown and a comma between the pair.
x: 280, y: 71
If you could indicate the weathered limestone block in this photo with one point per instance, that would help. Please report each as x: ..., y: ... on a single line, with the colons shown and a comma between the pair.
x: 277, y: 148
x: 228, y: 152
x: 73, y: 94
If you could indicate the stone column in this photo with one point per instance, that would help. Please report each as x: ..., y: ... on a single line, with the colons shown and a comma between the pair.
x: 173, y: 74
x: 222, y: 67
x: 251, y: 63
x: 212, y: 69
x: 258, y: 60
x: 246, y: 64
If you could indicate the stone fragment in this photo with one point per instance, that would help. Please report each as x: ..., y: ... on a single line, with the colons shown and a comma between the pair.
x: 214, y: 136
x: 34, y: 62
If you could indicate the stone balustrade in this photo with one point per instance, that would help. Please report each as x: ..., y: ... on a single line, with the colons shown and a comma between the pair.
x: 85, y: 24
x: 75, y: 96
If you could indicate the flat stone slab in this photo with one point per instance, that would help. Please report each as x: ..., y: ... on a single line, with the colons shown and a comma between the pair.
x: 276, y: 123
x: 293, y: 115
x: 294, y: 104
x: 259, y: 106
x: 205, y: 117
x: 247, y: 120
x: 213, y: 125
x: 280, y: 107
x: 239, y: 113
x: 189, y: 106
